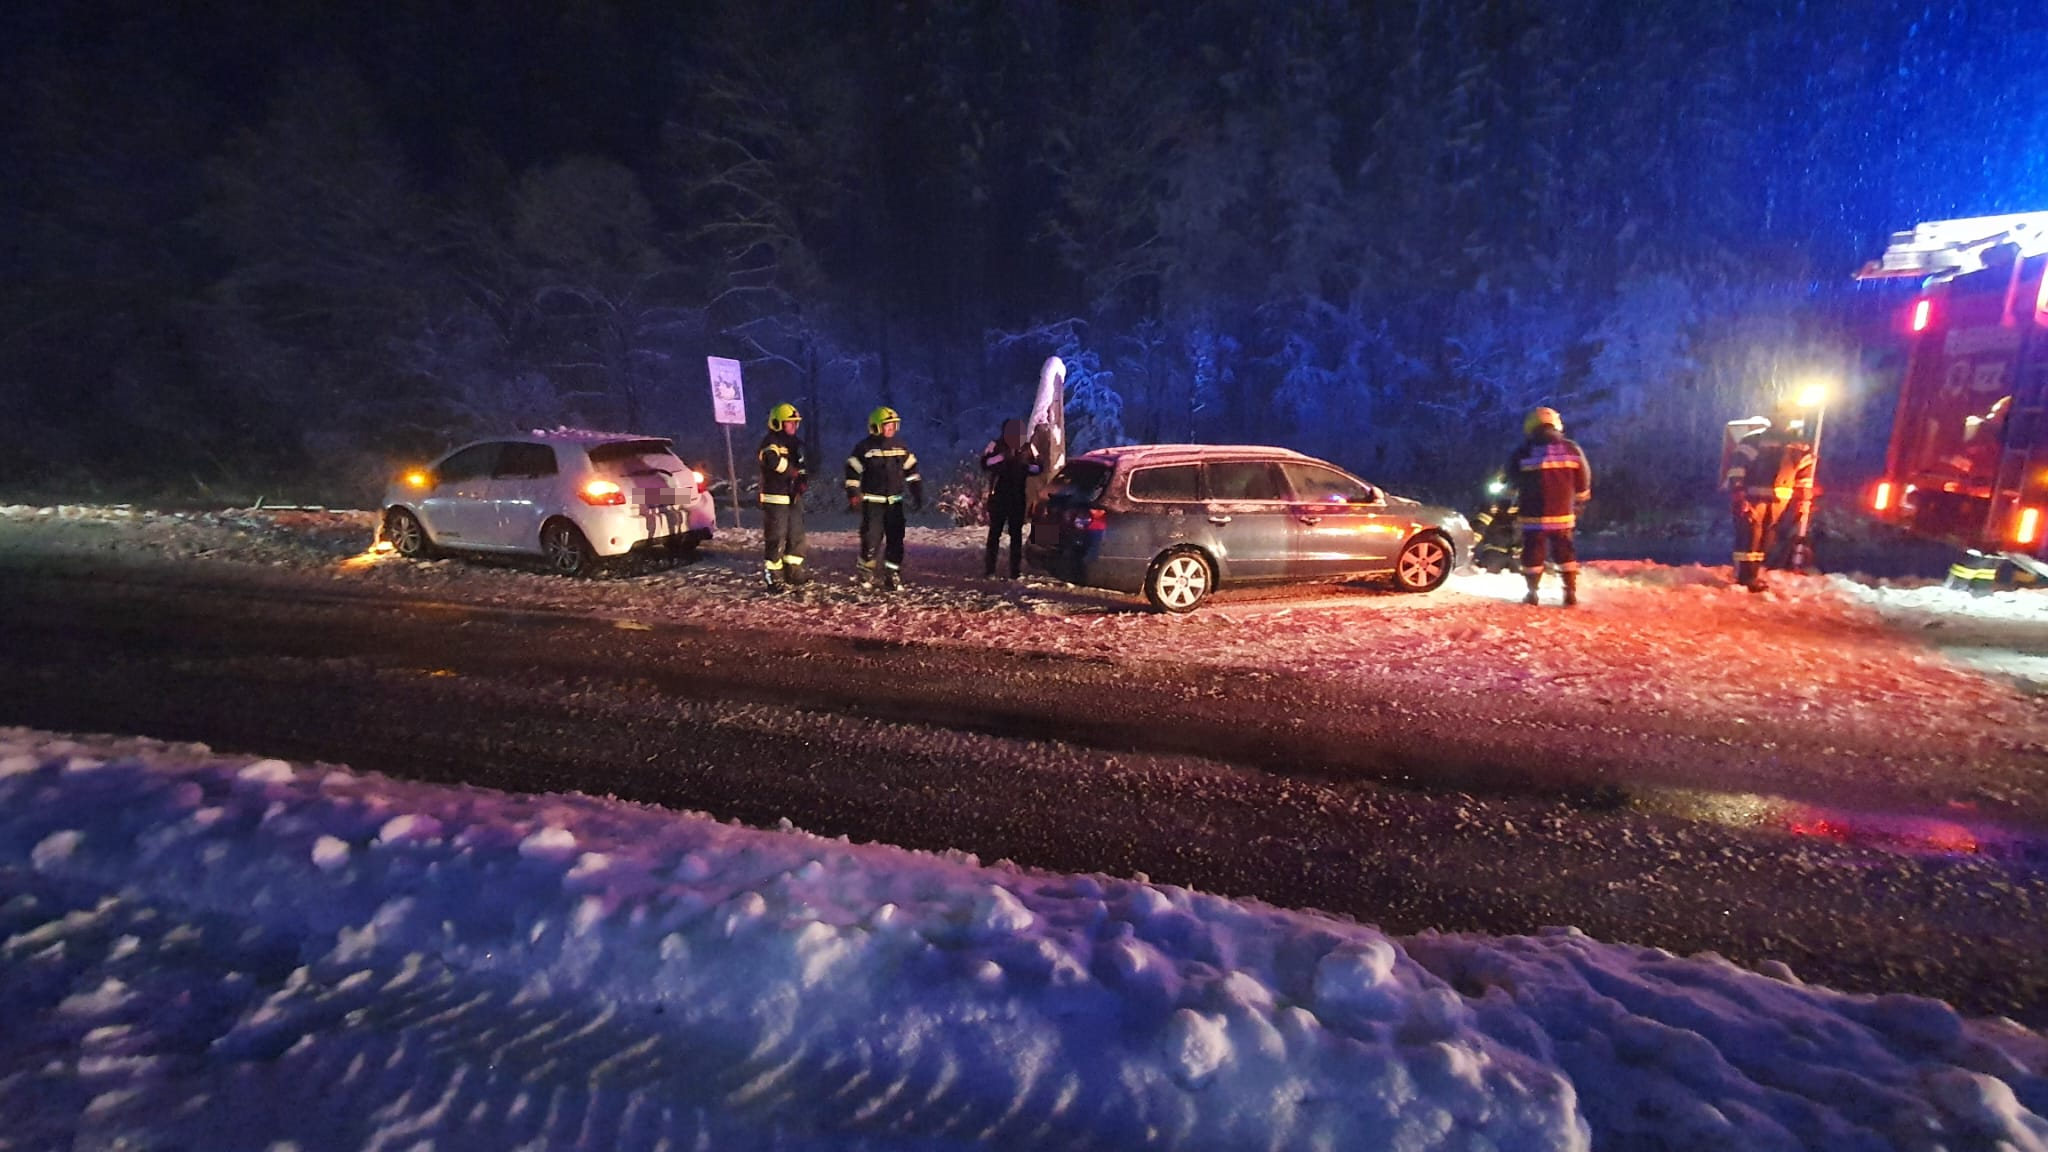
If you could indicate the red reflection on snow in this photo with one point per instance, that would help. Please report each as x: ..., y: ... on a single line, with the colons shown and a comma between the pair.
x: 1895, y: 832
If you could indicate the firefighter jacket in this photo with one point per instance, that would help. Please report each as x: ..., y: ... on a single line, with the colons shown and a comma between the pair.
x: 1552, y: 479
x: 784, y: 474
x: 1009, y: 463
x: 880, y: 470
x: 1771, y: 466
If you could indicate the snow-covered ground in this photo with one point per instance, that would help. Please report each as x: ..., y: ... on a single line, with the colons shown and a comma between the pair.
x: 1926, y: 665
x: 199, y: 951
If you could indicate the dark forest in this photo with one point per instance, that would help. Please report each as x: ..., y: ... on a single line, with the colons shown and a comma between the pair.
x: 262, y: 248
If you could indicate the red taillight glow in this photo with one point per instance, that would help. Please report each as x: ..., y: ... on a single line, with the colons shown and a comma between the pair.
x: 1881, y: 500
x: 2030, y: 526
x: 602, y: 493
x: 1093, y: 520
x: 1923, y: 313
x: 697, y: 478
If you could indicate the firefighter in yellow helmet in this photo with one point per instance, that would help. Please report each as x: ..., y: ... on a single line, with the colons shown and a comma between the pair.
x: 880, y: 474
x: 1552, y: 479
x: 1769, y: 480
x: 784, y: 476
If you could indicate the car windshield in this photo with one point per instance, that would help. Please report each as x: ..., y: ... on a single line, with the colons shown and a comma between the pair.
x: 1080, y: 482
x: 636, y: 458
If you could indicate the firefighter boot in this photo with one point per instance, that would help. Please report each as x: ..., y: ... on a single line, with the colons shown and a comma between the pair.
x: 1571, y: 589
x: 793, y: 574
x: 892, y: 579
x: 864, y: 573
x: 768, y: 574
x: 1534, y: 579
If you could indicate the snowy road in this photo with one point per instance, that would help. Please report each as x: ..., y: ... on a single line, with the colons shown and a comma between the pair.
x: 1882, y: 859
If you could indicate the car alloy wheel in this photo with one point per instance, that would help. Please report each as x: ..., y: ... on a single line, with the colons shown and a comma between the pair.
x: 1424, y: 564
x: 564, y: 547
x: 1178, y: 581
x: 406, y: 536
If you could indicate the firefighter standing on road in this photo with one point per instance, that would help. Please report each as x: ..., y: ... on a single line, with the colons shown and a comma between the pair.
x: 784, y: 476
x: 1010, y: 462
x: 1769, y: 480
x: 880, y: 473
x: 1552, y: 479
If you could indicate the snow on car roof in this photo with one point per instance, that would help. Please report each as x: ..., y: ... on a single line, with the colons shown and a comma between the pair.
x: 1154, y: 453
x: 588, y: 435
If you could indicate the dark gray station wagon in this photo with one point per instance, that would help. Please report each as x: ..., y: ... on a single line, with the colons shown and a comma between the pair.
x: 1177, y: 521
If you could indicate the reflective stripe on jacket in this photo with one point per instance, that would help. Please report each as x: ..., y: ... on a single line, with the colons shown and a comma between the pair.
x: 784, y: 473
x: 1770, y: 465
x: 880, y: 467
x: 1553, y: 479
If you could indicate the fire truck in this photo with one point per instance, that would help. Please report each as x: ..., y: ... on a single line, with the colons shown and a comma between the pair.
x: 1968, y: 457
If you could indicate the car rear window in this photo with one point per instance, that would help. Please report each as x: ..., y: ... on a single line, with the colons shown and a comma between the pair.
x: 627, y: 457
x: 1172, y: 483
x: 1080, y: 482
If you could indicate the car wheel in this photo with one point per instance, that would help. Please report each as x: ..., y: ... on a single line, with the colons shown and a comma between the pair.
x: 406, y: 535
x: 565, y: 549
x: 1423, y: 565
x: 1178, y: 581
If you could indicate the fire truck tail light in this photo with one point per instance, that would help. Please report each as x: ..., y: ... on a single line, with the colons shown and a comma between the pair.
x: 1923, y: 312
x: 2030, y: 526
x: 1881, y: 500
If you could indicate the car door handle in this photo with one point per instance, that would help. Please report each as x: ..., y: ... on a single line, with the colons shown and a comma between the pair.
x: 1310, y: 520
x: 1219, y: 519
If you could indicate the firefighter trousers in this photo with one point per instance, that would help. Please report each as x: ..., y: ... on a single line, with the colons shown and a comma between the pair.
x: 1558, y: 542
x: 1755, y: 520
x: 881, y: 530
x: 782, y: 535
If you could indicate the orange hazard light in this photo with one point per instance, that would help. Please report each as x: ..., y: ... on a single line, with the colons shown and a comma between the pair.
x: 2030, y: 526
x: 1881, y: 500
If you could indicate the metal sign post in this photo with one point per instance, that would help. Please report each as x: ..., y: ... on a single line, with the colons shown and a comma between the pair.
x: 728, y: 407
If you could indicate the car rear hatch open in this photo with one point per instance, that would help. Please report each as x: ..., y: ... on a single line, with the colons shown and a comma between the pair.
x: 1061, y: 517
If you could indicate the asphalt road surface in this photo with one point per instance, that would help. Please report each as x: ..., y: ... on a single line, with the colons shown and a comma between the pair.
x: 1394, y: 810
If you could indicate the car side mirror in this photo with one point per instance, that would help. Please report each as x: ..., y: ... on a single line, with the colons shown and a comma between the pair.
x: 1372, y: 495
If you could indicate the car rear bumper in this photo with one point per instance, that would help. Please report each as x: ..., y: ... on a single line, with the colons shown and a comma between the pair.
x: 617, y: 531
x: 1086, y: 567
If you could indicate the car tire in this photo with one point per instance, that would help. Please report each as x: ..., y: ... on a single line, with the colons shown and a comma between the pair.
x: 1179, y: 581
x: 566, y: 551
x: 1424, y: 564
x: 407, y: 536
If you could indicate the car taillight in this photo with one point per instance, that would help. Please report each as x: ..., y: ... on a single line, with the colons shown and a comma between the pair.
x: 2029, y: 527
x: 602, y: 493
x: 697, y: 478
x: 1923, y: 314
x: 1881, y: 500
x: 1091, y: 520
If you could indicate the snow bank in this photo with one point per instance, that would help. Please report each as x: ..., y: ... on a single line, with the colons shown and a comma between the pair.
x: 197, y: 945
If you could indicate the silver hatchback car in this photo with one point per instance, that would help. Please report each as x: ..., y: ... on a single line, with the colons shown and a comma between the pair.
x: 1177, y: 521
x: 571, y: 497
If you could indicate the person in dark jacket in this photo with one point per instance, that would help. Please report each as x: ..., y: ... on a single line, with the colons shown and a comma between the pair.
x: 1769, y: 481
x: 880, y: 474
x: 1552, y: 480
x: 784, y: 476
x: 1009, y: 462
